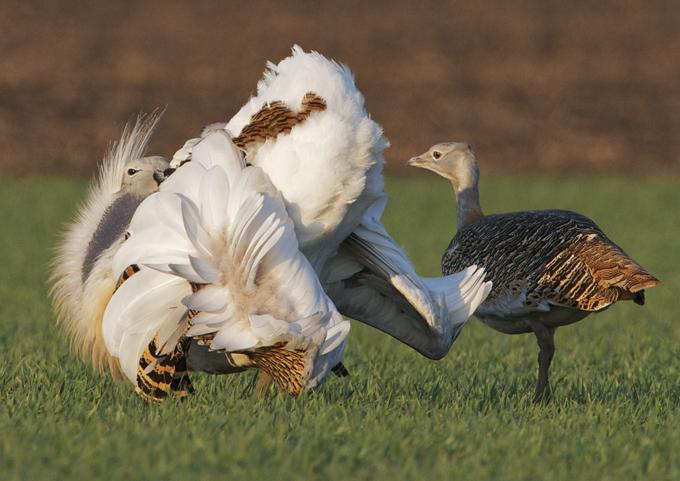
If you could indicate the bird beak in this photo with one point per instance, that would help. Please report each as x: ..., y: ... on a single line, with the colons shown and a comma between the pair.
x: 417, y: 161
x: 159, y: 177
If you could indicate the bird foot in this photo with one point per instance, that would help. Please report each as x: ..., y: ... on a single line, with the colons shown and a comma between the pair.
x: 543, y: 396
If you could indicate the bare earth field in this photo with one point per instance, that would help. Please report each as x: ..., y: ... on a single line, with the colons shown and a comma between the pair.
x: 531, y: 83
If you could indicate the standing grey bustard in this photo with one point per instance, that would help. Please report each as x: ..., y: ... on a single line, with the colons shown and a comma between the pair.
x: 549, y: 268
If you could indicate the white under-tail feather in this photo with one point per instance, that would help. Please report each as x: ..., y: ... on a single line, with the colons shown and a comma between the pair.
x: 80, y: 304
x: 147, y: 304
x: 223, y: 227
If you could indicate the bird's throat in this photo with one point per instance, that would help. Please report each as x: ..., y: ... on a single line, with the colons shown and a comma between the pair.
x: 468, y: 209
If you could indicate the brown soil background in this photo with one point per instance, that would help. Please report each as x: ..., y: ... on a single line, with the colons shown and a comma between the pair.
x: 533, y: 84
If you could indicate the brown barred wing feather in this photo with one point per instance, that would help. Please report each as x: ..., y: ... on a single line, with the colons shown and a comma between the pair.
x: 541, y: 258
x: 287, y: 367
x: 277, y: 118
x: 159, y: 375
x: 593, y: 273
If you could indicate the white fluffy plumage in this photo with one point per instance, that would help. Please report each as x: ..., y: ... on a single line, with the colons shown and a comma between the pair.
x: 220, y: 225
x: 240, y: 233
x: 80, y: 303
x: 329, y: 172
x: 329, y: 167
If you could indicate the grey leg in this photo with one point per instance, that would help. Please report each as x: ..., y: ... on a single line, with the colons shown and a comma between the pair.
x: 546, y: 343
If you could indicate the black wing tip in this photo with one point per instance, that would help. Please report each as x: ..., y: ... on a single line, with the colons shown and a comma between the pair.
x: 340, y: 370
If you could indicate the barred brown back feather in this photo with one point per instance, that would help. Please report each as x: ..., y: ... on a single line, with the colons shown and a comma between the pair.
x: 558, y: 256
x: 273, y: 119
x: 277, y: 118
x: 593, y: 273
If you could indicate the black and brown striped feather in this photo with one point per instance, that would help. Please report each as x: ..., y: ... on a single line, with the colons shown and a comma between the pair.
x: 161, y: 374
x: 286, y: 367
x: 276, y: 118
x: 560, y: 257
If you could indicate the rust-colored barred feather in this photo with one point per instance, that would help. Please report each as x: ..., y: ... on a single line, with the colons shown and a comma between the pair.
x: 159, y: 375
x: 558, y: 257
x: 277, y: 118
x: 286, y: 367
x: 273, y: 118
x: 593, y: 273
x: 127, y: 273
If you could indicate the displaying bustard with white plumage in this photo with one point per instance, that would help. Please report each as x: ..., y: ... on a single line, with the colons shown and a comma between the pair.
x: 307, y: 128
x: 213, y: 257
x: 549, y: 268
x: 314, y: 155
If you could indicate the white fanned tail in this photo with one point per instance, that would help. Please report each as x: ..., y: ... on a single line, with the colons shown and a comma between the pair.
x: 372, y: 281
x: 216, y: 240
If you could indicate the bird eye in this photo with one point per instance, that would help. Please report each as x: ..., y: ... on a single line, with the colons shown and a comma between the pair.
x: 132, y: 171
x: 436, y: 154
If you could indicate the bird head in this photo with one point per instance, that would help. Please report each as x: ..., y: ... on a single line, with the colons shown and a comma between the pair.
x: 455, y: 161
x: 142, y: 177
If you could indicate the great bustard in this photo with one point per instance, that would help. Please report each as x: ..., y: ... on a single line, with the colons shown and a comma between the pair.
x: 213, y: 257
x: 306, y: 133
x: 307, y: 128
x: 549, y: 268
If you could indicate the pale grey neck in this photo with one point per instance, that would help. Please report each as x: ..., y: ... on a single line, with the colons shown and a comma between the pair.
x: 468, y: 209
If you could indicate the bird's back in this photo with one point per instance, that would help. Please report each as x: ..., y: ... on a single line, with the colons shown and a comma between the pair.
x: 317, y: 144
x: 540, y: 258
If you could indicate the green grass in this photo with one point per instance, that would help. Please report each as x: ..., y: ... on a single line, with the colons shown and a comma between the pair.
x: 616, y: 375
